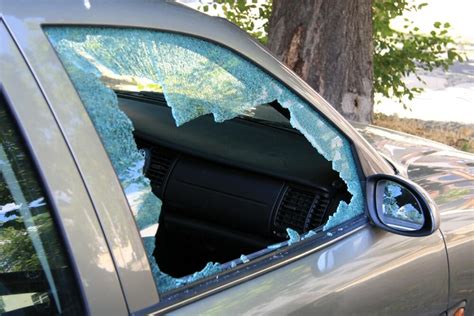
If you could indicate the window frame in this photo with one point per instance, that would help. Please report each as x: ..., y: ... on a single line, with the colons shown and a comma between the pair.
x: 256, y: 267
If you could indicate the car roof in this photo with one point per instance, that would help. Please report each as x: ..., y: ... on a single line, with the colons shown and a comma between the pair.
x: 149, y: 14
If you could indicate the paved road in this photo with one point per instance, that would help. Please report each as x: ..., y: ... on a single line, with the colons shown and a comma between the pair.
x: 448, y: 96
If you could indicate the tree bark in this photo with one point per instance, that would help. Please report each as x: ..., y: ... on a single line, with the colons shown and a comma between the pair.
x: 329, y: 44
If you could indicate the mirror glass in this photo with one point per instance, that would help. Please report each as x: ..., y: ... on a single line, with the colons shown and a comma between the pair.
x: 399, y: 208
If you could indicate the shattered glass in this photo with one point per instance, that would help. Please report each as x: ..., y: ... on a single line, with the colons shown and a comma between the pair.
x: 197, y: 78
x: 294, y: 236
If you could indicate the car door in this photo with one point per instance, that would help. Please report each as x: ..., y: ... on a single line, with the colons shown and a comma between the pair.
x: 360, y: 270
x: 369, y: 272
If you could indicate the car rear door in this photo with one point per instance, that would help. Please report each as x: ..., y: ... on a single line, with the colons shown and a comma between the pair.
x: 71, y: 208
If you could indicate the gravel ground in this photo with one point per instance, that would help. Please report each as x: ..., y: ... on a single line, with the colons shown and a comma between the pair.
x: 455, y: 134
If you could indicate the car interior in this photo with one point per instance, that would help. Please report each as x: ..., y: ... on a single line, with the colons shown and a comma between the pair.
x: 228, y: 188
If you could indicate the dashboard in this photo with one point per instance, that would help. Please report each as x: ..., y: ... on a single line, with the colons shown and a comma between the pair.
x: 228, y: 188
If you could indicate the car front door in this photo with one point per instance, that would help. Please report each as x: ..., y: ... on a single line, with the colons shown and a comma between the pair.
x: 369, y: 272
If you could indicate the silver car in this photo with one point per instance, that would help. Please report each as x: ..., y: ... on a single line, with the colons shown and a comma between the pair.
x: 158, y: 160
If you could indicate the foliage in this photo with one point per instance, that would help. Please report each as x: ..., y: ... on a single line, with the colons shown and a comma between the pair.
x: 397, y: 54
x: 18, y: 253
x: 250, y: 15
x: 400, y: 53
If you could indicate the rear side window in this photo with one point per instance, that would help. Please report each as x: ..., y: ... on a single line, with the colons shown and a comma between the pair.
x: 35, y: 276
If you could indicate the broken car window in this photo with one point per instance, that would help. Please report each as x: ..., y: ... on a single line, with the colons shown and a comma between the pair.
x: 196, y: 78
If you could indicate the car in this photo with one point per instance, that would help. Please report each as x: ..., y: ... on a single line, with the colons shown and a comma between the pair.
x: 155, y: 160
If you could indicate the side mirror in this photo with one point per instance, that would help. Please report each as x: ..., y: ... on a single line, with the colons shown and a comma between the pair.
x: 400, y: 206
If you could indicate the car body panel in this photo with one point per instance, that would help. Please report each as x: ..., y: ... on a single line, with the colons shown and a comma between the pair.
x: 74, y: 212
x: 448, y: 176
x: 367, y: 273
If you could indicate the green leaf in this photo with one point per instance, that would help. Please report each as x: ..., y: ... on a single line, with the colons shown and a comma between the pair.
x: 421, y: 5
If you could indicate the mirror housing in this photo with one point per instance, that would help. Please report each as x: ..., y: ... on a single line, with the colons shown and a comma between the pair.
x: 400, y: 206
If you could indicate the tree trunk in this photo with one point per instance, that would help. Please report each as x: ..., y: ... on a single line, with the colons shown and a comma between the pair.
x: 329, y: 44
